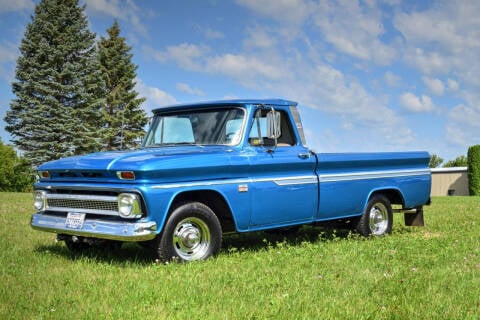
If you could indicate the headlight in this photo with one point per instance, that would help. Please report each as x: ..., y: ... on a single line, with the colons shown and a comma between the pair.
x: 39, y: 200
x: 128, y: 205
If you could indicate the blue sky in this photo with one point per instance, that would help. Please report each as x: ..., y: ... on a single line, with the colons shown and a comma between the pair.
x: 384, y: 75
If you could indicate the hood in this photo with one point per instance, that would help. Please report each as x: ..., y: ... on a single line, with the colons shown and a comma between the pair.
x: 152, y: 163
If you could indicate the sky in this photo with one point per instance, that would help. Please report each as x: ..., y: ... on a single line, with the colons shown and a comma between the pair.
x: 373, y: 75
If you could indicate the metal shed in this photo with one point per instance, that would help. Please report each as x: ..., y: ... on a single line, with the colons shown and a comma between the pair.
x: 449, y: 182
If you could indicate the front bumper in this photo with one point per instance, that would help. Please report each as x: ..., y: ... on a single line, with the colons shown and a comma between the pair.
x: 95, y: 228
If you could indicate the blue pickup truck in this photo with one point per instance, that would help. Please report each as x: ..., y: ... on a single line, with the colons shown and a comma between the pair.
x: 211, y: 168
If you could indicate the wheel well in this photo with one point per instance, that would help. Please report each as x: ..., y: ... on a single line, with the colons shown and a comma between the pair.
x: 394, y: 196
x: 214, y: 201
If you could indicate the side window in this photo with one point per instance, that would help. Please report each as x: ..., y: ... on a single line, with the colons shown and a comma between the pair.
x: 258, y: 132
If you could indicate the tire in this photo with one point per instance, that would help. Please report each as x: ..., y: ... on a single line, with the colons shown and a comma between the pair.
x: 192, y: 232
x: 377, y: 219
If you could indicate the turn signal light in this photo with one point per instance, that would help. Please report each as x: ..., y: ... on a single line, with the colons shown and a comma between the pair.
x: 126, y: 175
x: 44, y: 174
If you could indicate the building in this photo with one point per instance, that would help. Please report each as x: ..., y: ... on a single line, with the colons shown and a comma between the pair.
x: 449, y: 182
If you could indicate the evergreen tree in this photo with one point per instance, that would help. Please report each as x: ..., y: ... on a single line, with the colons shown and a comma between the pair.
x: 58, y: 87
x: 473, y: 171
x: 124, y: 118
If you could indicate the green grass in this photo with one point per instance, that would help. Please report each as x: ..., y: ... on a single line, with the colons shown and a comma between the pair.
x: 423, y: 273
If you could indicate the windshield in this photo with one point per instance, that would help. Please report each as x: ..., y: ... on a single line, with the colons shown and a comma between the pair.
x: 221, y: 126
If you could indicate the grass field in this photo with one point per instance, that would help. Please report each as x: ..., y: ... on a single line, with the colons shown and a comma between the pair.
x: 422, y: 273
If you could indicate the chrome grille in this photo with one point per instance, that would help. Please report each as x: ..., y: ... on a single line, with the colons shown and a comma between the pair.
x: 106, y: 205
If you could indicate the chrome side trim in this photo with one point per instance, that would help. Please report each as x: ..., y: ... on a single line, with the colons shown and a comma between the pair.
x: 296, y: 181
x: 283, y: 181
x: 112, y: 230
x: 372, y: 175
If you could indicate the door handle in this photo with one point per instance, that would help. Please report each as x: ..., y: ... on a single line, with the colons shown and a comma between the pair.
x: 304, y: 155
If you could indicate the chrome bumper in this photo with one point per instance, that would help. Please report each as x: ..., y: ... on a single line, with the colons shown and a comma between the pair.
x: 121, y: 231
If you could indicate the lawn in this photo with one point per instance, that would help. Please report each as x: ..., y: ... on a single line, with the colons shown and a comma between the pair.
x: 423, y: 273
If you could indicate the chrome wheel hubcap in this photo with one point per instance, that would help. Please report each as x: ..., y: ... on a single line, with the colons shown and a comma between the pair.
x: 378, y: 219
x: 191, y: 239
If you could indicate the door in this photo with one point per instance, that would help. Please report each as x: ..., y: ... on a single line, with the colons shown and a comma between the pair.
x: 284, y: 183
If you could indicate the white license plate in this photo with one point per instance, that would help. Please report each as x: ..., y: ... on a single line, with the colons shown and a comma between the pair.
x: 75, y: 220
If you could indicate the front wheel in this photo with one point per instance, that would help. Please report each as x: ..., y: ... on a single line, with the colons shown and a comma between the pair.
x: 377, y: 219
x: 192, y: 232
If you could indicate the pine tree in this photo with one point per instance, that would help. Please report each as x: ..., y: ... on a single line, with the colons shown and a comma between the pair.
x: 124, y: 118
x: 58, y: 86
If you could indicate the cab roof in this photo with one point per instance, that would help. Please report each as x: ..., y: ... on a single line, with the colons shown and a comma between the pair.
x: 227, y: 103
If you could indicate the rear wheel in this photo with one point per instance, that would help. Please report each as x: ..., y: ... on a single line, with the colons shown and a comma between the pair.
x: 377, y: 219
x: 192, y: 232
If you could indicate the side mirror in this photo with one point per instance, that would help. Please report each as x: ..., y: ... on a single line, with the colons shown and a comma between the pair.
x: 273, y: 124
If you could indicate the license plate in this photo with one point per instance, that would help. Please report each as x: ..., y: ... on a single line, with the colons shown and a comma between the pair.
x: 75, y: 220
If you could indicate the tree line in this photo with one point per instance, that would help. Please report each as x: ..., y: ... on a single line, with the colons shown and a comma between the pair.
x: 73, y: 94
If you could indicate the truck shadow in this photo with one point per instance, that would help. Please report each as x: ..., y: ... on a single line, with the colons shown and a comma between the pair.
x: 128, y: 253
x: 245, y: 242
x: 261, y: 240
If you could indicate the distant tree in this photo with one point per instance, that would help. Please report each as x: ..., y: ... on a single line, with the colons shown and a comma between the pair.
x: 124, y: 118
x: 57, y: 85
x: 15, y: 173
x: 435, y: 161
x: 473, y: 170
x: 460, y: 161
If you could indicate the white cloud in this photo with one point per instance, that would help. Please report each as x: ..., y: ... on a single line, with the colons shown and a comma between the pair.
x: 183, y: 87
x: 259, y: 38
x: 392, y: 79
x: 243, y: 67
x: 431, y: 62
x: 443, y: 39
x: 451, y: 26
x: 186, y: 55
x: 213, y: 34
x: 436, y: 86
x: 452, y: 85
x: 155, y: 97
x: 107, y: 7
x: 354, y: 30
x: 16, y: 5
x: 121, y: 10
x: 286, y: 11
x: 415, y: 104
x: 463, y: 125
x: 8, y: 55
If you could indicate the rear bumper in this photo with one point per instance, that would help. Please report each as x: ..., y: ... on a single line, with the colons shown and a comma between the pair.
x: 94, y: 228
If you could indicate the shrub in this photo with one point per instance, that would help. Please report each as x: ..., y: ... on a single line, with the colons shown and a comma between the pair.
x: 473, y: 158
x: 15, y: 172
